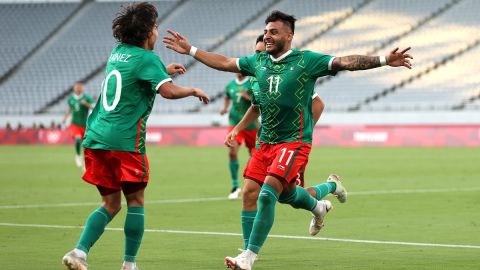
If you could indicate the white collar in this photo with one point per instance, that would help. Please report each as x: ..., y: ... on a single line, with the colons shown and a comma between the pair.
x: 281, y: 56
x: 77, y: 96
x: 242, y: 81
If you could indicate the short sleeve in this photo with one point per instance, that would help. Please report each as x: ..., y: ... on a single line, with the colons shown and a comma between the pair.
x: 90, y: 99
x: 247, y: 64
x: 226, y: 92
x: 153, y: 71
x: 319, y: 64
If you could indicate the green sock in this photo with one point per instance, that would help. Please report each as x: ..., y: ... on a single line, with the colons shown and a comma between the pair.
x: 134, y: 227
x: 247, y: 224
x: 233, y: 165
x: 95, y: 226
x: 303, y: 199
x: 263, y: 222
x: 323, y: 189
x: 78, y: 145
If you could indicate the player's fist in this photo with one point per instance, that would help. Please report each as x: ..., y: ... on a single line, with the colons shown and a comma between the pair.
x: 223, y: 111
x: 230, y: 138
x: 177, y: 42
x: 201, y: 95
x: 399, y: 59
x: 176, y: 68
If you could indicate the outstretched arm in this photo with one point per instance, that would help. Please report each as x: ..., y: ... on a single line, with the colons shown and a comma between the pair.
x: 169, y: 90
x: 363, y: 62
x: 180, y: 44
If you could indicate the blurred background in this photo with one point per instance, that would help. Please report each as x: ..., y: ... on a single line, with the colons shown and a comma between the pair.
x: 47, y: 46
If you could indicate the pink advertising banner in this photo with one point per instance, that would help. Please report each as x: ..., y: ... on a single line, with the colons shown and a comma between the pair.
x: 341, y: 135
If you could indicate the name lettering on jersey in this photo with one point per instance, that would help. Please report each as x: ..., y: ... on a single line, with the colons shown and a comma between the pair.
x: 119, y: 57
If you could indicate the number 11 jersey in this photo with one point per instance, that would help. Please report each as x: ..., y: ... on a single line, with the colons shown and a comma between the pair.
x: 285, y: 89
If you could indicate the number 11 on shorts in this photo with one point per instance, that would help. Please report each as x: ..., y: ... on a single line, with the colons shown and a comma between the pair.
x: 290, y: 154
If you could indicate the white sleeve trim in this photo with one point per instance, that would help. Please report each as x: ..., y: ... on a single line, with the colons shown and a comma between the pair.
x: 315, y: 95
x: 162, y: 82
x: 238, y: 64
x: 330, y: 63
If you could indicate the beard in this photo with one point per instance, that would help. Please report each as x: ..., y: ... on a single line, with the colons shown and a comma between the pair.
x: 277, y: 48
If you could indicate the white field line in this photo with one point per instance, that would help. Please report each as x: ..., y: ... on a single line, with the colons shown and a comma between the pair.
x: 190, y: 200
x: 270, y: 236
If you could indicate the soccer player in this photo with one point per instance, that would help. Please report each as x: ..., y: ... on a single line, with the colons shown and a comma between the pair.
x: 79, y: 104
x: 254, y: 173
x: 236, y: 94
x: 286, y: 78
x: 114, y: 142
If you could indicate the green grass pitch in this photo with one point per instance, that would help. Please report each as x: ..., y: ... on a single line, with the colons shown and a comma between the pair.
x: 407, y: 195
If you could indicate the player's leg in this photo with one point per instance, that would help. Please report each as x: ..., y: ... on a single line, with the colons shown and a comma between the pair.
x: 94, y: 228
x: 251, y: 189
x: 262, y: 224
x: 333, y: 185
x: 134, y: 222
x: 233, y: 165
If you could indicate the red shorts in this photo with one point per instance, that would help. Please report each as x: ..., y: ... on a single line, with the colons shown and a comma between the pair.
x: 76, y: 131
x: 285, y: 161
x: 109, y: 169
x: 246, y: 136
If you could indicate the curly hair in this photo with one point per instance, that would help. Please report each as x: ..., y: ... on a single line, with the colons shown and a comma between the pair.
x: 276, y: 15
x: 134, y: 23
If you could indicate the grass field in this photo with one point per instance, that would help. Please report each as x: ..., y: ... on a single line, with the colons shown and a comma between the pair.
x: 398, y: 197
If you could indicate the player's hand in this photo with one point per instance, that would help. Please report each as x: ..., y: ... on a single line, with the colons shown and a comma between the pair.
x: 176, y: 68
x: 177, y: 42
x: 399, y: 59
x: 223, y: 111
x: 230, y: 138
x: 244, y: 95
x: 201, y: 95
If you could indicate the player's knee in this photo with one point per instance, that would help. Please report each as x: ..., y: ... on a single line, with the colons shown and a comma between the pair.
x: 266, y: 198
x: 112, y: 207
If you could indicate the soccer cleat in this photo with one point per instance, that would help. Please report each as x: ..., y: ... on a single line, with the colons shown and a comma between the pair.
x: 322, y: 208
x: 78, y: 161
x: 73, y: 262
x: 130, y: 266
x: 340, y: 192
x: 234, y: 194
x: 244, y: 261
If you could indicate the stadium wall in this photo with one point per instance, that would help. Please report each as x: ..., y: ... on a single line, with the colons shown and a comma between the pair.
x: 385, y: 129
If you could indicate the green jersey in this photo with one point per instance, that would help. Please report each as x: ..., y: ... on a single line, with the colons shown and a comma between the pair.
x: 240, y: 105
x: 79, y: 109
x: 285, y: 90
x: 118, y: 121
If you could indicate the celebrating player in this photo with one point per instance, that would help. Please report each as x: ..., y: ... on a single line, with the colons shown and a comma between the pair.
x: 115, y: 137
x: 236, y: 94
x: 79, y: 104
x: 286, y: 78
x: 255, y: 172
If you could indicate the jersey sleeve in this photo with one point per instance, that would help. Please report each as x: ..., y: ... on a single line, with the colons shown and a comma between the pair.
x: 89, y: 100
x: 247, y: 64
x: 319, y: 64
x: 254, y: 87
x: 226, y: 92
x: 153, y: 71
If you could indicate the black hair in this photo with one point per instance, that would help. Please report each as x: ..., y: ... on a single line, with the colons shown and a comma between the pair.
x: 276, y: 15
x: 134, y: 23
x: 259, y: 39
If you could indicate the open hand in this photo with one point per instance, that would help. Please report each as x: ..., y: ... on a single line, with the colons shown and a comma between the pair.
x: 230, y: 138
x: 399, y: 59
x: 177, y: 42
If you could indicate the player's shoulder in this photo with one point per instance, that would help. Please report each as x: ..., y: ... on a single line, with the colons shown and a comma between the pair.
x: 313, y: 54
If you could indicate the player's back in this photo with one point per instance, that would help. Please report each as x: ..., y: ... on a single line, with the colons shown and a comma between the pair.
x: 118, y: 121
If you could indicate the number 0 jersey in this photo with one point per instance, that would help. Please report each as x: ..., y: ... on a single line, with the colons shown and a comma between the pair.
x: 285, y: 90
x: 118, y: 121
